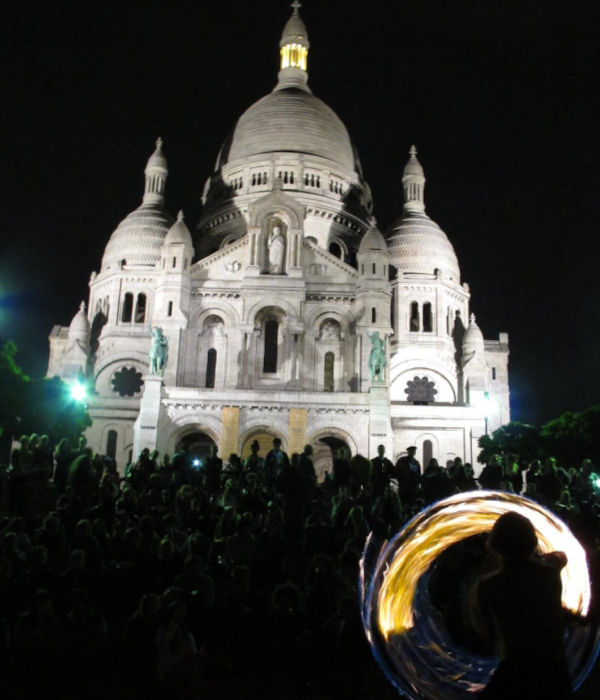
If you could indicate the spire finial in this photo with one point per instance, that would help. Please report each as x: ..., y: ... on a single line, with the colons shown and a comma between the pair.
x: 472, y: 318
x: 180, y: 215
x: 159, y: 143
x: 413, y: 151
x: 296, y: 6
x: 82, y: 306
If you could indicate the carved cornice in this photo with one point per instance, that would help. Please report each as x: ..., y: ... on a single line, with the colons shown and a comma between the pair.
x: 216, y: 293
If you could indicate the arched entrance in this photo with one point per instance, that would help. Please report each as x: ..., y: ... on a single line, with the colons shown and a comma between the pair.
x: 265, y: 441
x: 196, y: 444
x: 325, y: 449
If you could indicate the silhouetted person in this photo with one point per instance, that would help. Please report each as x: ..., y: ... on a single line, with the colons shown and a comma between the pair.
x: 342, y: 472
x: 521, y: 606
x: 213, y: 467
x: 408, y: 475
x: 253, y: 462
x: 381, y: 470
x: 275, y: 461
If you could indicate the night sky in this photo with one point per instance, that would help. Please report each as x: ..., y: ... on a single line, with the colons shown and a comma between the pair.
x: 501, y: 99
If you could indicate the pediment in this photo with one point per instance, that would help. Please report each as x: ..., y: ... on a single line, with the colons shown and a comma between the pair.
x: 320, y: 265
x: 227, y: 263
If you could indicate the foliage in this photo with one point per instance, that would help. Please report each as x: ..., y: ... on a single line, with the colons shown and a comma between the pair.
x: 36, y: 405
x: 13, y: 383
x: 571, y: 438
x: 50, y: 409
x: 518, y: 438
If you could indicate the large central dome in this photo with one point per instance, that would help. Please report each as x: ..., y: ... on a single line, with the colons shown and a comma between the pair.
x: 288, y: 140
x: 293, y: 120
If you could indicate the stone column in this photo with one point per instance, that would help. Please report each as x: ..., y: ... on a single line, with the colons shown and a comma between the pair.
x: 253, y: 339
x: 230, y: 419
x: 145, y: 429
x: 297, y: 435
x: 380, y: 423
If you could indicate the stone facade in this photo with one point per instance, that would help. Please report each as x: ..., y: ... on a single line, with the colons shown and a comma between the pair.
x: 271, y: 308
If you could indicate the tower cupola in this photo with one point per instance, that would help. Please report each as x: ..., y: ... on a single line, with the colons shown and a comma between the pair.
x: 79, y: 329
x: 413, y: 183
x: 156, y: 177
x: 473, y: 343
x: 293, y: 50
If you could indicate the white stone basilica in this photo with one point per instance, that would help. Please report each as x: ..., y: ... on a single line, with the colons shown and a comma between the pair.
x: 270, y: 308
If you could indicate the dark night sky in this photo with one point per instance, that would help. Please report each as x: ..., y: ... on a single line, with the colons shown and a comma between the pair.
x: 501, y: 99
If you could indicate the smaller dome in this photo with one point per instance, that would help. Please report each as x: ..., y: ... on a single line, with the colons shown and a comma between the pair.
x: 372, y: 242
x: 179, y: 233
x: 416, y: 244
x: 473, y: 342
x: 79, y: 330
x: 138, y: 238
x: 294, y: 31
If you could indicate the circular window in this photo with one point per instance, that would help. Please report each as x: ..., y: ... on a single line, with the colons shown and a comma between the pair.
x: 127, y: 381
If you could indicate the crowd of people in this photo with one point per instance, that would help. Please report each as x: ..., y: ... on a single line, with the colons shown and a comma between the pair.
x: 190, y: 577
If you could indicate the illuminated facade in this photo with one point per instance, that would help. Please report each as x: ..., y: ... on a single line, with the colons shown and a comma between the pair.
x: 269, y: 309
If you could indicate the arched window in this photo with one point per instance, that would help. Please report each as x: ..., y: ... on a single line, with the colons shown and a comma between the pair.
x: 174, y: 263
x: 335, y: 249
x: 427, y: 322
x: 111, y: 444
x: 373, y: 315
x: 270, y: 354
x: 414, y: 317
x: 374, y: 268
x: 393, y: 309
x: 127, y: 310
x: 211, y: 368
x: 328, y: 378
x: 140, y: 308
x: 427, y: 453
x: 170, y: 309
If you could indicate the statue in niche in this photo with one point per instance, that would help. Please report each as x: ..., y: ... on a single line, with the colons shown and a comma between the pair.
x: 275, y: 250
x: 158, y: 351
x: 377, y: 359
x: 330, y: 330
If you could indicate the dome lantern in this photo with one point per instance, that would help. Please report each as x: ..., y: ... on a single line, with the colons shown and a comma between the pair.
x: 293, y: 51
x: 156, y: 176
x: 413, y: 183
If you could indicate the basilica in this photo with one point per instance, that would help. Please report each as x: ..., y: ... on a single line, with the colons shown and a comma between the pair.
x: 286, y: 313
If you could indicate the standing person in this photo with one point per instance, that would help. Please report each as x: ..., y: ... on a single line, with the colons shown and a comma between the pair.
x: 275, y: 461
x: 409, y: 461
x: 520, y: 605
x: 408, y: 475
x: 342, y: 473
x: 253, y: 462
x: 213, y: 467
x: 381, y: 470
x: 307, y: 468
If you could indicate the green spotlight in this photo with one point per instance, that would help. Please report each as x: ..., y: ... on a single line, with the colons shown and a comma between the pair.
x: 78, y: 391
